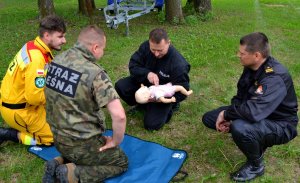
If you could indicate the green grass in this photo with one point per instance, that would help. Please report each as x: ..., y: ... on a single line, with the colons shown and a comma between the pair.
x: 209, y: 47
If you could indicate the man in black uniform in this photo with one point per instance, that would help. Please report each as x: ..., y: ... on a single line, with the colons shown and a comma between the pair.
x: 155, y: 62
x: 264, y: 111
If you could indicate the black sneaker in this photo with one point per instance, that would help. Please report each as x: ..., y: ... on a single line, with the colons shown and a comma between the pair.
x: 50, y: 167
x: 8, y: 134
x: 66, y: 173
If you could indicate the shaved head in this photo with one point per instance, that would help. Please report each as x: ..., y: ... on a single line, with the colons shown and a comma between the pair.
x: 91, y: 35
x: 93, y: 38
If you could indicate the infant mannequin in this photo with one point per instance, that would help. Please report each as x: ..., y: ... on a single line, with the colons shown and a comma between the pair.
x: 158, y: 93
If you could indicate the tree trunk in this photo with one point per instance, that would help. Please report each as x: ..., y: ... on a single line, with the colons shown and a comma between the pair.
x: 46, y: 7
x: 202, y: 6
x: 174, y: 11
x: 86, y: 7
x: 89, y: 7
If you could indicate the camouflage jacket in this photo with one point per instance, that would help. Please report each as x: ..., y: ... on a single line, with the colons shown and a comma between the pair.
x: 77, y: 89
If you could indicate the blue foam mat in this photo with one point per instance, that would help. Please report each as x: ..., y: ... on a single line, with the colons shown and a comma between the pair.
x: 149, y: 162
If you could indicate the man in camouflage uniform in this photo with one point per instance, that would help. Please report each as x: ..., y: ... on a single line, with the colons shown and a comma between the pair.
x: 77, y: 89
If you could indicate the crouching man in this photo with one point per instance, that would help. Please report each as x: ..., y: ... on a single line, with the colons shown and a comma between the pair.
x: 264, y: 111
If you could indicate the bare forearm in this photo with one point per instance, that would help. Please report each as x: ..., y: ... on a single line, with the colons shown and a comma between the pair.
x: 118, y: 126
x: 118, y: 117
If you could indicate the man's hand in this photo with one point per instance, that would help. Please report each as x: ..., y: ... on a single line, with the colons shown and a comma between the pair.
x: 153, y: 78
x: 108, y: 144
x: 221, y: 124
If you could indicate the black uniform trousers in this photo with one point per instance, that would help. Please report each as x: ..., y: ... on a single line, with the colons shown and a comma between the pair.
x: 253, y: 138
x: 156, y: 114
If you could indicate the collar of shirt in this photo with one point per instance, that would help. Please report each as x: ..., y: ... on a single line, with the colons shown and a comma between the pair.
x: 43, y: 47
x: 85, y: 52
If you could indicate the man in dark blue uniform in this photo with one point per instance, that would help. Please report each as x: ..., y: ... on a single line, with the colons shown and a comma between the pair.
x: 264, y: 111
x: 155, y: 62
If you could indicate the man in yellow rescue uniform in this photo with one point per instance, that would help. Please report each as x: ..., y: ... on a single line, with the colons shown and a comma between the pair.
x: 23, y: 101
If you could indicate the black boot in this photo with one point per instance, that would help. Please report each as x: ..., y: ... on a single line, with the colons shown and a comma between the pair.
x: 8, y: 134
x: 50, y: 168
x: 249, y: 171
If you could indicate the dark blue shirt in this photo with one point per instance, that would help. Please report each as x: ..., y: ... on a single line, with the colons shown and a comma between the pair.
x: 172, y: 67
x: 267, y: 93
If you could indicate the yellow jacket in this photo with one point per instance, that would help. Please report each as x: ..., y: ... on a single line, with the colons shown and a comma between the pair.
x: 24, y: 80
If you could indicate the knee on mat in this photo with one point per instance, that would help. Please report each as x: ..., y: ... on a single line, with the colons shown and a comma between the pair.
x: 124, y: 166
x: 123, y: 163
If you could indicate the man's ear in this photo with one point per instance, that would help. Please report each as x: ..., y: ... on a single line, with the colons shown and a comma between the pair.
x: 46, y: 36
x: 258, y: 56
x: 168, y: 42
x: 94, y: 48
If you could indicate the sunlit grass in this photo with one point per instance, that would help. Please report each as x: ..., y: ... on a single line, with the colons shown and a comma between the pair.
x: 209, y: 47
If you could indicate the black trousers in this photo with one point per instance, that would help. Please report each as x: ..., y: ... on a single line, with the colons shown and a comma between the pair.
x: 156, y: 114
x: 253, y: 138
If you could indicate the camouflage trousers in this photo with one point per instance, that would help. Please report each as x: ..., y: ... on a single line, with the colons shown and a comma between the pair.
x: 91, y: 164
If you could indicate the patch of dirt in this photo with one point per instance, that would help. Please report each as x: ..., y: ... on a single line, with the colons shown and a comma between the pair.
x: 4, y: 159
x: 132, y: 122
x: 276, y: 5
x: 15, y: 177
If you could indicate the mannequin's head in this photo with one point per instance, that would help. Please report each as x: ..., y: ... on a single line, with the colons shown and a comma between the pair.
x: 142, y: 95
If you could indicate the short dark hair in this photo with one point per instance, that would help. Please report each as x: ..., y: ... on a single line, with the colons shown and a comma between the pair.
x: 157, y: 35
x: 52, y: 23
x: 91, y: 34
x: 256, y: 42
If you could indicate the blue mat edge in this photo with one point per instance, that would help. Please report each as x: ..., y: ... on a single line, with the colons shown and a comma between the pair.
x: 110, y: 131
x: 186, y: 154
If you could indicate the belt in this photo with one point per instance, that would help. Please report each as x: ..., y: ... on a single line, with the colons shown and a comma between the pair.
x: 14, y: 106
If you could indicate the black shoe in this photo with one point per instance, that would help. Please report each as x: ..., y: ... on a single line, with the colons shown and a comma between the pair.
x: 66, y: 173
x: 50, y: 168
x: 8, y: 134
x: 62, y: 173
x: 250, y: 170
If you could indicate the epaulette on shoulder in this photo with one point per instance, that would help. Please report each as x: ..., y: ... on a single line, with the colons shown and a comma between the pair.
x: 269, y: 69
